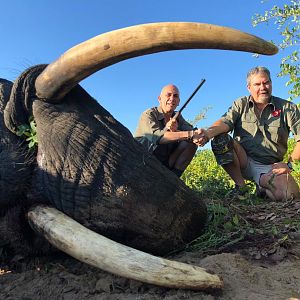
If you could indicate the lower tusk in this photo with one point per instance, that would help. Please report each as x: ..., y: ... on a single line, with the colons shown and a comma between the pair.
x: 89, y: 247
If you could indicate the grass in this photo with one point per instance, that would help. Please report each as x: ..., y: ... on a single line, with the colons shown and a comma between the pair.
x: 232, y: 224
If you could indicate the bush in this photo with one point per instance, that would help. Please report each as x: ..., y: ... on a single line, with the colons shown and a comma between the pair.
x: 204, y: 175
x: 228, y: 223
x: 296, y: 165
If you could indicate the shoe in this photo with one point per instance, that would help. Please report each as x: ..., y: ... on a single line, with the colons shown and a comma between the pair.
x: 260, y: 192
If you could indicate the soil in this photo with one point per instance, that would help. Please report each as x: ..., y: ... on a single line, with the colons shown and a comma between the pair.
x: 264, y: 264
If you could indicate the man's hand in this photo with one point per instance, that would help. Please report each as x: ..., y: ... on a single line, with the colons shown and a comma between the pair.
x: 200, y: 137
x: 172, y: 125
x: 280, y: 168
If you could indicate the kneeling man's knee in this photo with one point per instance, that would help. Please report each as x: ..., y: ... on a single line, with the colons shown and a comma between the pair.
x: 222, y: 147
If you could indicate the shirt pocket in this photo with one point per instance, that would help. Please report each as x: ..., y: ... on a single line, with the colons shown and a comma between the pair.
x: 248, y: 127
x: 273, y: 129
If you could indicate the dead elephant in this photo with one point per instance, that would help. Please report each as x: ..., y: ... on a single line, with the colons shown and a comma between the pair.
x: 89, y: 167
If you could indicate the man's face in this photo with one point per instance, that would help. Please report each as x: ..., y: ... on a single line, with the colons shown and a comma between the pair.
x: 169, y: 98
x: 260, y: 88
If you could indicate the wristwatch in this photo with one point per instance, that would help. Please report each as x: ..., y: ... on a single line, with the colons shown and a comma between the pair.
x: 290, y: 166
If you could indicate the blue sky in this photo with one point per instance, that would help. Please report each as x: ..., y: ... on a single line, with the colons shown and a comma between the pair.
x: 35, y: 32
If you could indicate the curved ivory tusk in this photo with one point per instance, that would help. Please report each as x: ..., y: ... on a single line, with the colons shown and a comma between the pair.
x: 89, y: 247
x: 109, y: 48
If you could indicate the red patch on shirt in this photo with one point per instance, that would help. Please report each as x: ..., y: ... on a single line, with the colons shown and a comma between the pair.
x: 276, y: 113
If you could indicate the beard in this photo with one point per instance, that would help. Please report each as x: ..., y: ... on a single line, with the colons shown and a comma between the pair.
x: 263, y: 99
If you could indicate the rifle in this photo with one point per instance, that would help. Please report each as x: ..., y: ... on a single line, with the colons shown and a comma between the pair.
x: 188, y: 100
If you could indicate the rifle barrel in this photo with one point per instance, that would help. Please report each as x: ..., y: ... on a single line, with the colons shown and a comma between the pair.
x: 190, y: 98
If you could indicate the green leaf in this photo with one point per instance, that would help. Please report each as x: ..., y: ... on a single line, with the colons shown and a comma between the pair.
x: 28, y: 131
x: 235, y: 220
x: 285, y: 20
x: 228, y: 226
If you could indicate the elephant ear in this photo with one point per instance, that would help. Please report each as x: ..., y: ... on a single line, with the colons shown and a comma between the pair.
x: 5, y: 88
x: 15, y: 161
x: 5, y: 135
x: 19, y: 106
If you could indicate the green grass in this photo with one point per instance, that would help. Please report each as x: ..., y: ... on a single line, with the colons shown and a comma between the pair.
x: 229, y: 222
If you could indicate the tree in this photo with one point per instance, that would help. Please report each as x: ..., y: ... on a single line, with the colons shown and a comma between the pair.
x: 287, y: 18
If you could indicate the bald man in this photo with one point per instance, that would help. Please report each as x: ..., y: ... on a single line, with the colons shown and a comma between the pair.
x: 173, y: 142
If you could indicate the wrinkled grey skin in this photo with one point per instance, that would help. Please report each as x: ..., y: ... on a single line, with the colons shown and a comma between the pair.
x: 16, y: 169
x: 89, y: 166
x: 13, y: 153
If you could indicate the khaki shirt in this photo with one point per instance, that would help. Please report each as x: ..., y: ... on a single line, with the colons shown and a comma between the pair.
x: 264, y: 137
x: 151, y: 127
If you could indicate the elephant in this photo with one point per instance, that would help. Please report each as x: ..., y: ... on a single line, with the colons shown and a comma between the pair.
x: 89, y: 175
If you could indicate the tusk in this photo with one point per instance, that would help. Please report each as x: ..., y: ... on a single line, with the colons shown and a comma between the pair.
x: 109, y: 48
x: 89, y: 247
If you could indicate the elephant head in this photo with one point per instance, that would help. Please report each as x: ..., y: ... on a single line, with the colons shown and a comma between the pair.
x: 89, y: 167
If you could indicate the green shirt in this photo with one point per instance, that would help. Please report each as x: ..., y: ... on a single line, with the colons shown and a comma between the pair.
x: 151, y: 127
x: 265, y: 137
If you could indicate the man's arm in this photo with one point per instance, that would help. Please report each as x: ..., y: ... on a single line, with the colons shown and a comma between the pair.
x: 149, y: 133
x: 215, y: 129
x: 179, y: 130
x: 172, y: 136
x: 227, y: 122
x: 282, y: 167
x: 296, y: 153
x: 293, y: 121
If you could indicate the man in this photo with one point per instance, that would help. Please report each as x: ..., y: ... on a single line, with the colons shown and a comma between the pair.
x: 173, y: 142
x: 261, y: 124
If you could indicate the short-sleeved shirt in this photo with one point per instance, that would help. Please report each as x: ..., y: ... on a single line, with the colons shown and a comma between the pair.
x: 151, y: 127
x: 265, y: 137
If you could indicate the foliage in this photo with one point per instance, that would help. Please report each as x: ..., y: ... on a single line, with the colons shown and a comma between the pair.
x: 213, y: 183
x: 233, y: 221
x: 29, y: 132
x: 222, y: 229
x: 204, y: 175
x: 287, y: 20
x: 201, y: 116
x: 296, y: 164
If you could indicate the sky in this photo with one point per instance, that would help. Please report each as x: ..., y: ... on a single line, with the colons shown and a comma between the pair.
x: 39, y: 31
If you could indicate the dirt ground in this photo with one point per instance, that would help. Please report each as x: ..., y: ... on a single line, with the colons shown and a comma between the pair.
x: 66, y: 278
x: 259, y: 267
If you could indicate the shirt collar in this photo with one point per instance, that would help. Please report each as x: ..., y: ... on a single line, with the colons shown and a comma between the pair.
x: 161, y: 115
x: 271, y: 103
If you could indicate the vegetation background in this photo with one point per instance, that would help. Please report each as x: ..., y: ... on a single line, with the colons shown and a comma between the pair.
x: 212, y: 182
